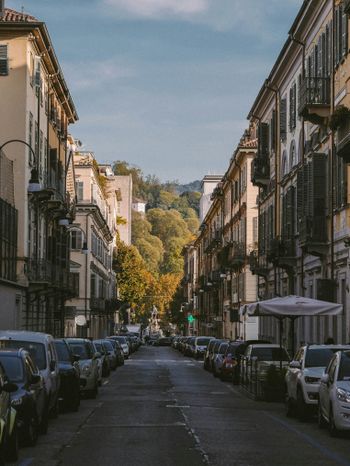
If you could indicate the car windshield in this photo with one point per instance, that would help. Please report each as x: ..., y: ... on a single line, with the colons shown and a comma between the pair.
x: 270, y: 354
x: 13, y: 367
x: 108, y: 346
x: 319, y: 357
x: 203, y: 341
x: 62, y: 351
x: 344, y: 368
x: 36, y: 350
x: 81, y: 349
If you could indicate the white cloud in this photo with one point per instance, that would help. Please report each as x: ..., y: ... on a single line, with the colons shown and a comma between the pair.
x: 91, y: 74
x: 160, y: 8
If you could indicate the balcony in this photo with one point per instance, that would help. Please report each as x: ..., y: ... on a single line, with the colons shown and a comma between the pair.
x: 281, y: 252
x: 343, y: 140
x: 315, y: 99
x: 238, y: 255
x: 39, y: 271
x: 313, y: 235
x: 256, y: 266
x: 97, y: 304
x: 260, y: 172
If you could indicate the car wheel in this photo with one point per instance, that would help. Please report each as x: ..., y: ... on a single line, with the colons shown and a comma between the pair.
x: 31, y: 435
x: 289, y: 407
x: 320, y: 419
x: 332, y: 427
x: 12, y: 447
x: 302, y: 409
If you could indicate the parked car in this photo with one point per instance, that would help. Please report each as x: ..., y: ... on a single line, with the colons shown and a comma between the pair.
x: 219, y: 359
x: 334, y: 394
x: 123, y: 343
x: 189, y: 346
x: 111, y: 353
x: 41, y: 348
x: 303, y: 378
x: 213, y: 353
x: 231, y: 359
x: 88, y: 364
x: 29, y: 399
x: 207, y: 355
x: 238, y: 351
x: 262, y: 366
x: 104, y: 360
x: 164, y: 341
x: 9, y: 439
x: 68, y: 364
x: 118, y: 351
x: 200, y: 346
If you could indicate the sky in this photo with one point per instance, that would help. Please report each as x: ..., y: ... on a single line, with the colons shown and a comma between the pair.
x: 164, y: 84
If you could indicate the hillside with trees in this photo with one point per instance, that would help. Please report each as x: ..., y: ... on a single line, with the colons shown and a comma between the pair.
x: 151, y: 269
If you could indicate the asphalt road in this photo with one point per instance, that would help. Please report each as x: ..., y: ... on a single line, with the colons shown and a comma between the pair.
x: 164, y: 409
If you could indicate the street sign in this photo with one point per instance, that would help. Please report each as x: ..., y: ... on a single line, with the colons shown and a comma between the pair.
x: 190, y: 318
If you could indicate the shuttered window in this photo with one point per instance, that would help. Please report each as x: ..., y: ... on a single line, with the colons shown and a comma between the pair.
x: 79, y: 187
x: 292, y: 107
x: 263, y: 140
x: 340, y: 34
x: 283, y: 119
x: 4, y: 67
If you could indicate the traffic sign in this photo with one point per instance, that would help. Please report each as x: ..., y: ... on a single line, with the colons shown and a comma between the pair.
x: 190, y: 318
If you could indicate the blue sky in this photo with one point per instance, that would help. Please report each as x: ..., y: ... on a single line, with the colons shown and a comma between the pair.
x: 164, y: 84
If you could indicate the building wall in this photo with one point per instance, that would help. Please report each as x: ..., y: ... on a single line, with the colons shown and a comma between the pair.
x: 125, y: 185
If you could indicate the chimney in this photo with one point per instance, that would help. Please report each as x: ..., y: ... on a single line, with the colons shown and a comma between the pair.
x: 2, y: 8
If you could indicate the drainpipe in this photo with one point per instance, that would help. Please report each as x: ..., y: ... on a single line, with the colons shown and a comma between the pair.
x: 332, y: 151
x: 239, y: 236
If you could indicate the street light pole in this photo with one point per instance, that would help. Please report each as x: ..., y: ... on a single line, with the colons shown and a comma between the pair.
x: 34, y: 184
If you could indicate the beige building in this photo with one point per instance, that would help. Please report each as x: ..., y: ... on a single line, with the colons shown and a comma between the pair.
x: 124, y: 183
x: 223, y: 280
x: 92, y: 244
x: 36, y: 109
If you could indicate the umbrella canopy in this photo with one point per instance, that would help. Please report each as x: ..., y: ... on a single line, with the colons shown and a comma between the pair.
x: 291, y: 306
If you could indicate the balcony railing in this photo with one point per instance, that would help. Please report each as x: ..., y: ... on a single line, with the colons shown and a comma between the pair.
x: 97, y: 304
x: 260, y: 172
x: 256, y: 266
x: 314, y: 92
x: 40, y: 271
x: 238, y: 254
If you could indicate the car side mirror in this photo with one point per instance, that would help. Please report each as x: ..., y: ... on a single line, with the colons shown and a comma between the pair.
x: 295, y: 365
x: 36, y: 378
x: 9, y: 387
x: 325, y: 378
x: 52, y: 365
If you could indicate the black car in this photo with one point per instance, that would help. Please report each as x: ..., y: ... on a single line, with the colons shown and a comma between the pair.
x: 164, y: 341
x: 29, y: 398
x: 69, y: 394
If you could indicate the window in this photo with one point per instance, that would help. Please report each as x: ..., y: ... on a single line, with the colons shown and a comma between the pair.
x: 293, y: 107
x: 76, y: 239
x: 255, y: 229
x: 283, y: 119
x: 79, y: 186
x: 75, y: 283
x: 30, y: 137
x: 4, y: 66
x: 340, y: 34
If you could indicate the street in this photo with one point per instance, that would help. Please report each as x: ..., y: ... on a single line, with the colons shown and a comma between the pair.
x: 164, y: 409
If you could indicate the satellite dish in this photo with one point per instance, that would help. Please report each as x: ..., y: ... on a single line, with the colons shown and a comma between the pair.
x: 80, y: 320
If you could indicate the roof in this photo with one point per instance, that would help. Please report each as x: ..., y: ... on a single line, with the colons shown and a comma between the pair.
x: 24, y: 335
x: 17, y: 17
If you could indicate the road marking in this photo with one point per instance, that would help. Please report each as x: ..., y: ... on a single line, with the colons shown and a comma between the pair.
x: 217, y: 393
x: 177, y: 406
x: 326, y: 451
x: 197, y: 442
x: 126, y: 426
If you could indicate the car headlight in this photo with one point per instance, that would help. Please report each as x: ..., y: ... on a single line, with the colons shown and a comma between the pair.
x: 312, y: 379
x: 343, y: 395
x: 17, y: 402
x: 86, y: 369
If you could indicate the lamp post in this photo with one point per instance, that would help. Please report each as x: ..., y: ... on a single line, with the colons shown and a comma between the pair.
x: 34, y: 184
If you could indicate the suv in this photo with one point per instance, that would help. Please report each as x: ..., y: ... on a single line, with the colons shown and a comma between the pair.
x: 41, y: 348
x: 303, y: 377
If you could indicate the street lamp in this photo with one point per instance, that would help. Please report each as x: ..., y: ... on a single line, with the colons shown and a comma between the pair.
x: 34, y: 183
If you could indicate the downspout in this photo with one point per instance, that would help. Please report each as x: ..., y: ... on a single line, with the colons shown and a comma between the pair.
x: 239, y: 236
x: 332, y: 152
x: 302, y: 44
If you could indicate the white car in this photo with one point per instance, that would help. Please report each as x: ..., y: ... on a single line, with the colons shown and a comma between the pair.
x: 200, y: 346
x: 303, y: 378
x: 334, y: 394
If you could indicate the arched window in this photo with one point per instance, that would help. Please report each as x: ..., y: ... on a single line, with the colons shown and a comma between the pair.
x: 293, y: 155
x: 76, y: 239
x: 284, y: 165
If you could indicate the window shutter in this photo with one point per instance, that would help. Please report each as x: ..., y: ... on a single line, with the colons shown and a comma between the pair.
x: 344, y: 42
x: 273, y: 131
x: 263, y: 140
x: 319, y: 57
x: 283, y: 119
x: 317, y: 197
x: 4, y: 70
x: 336, y: 29
x: 327, y: 51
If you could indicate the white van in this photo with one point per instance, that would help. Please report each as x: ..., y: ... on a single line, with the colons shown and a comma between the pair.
x: 42, y: 349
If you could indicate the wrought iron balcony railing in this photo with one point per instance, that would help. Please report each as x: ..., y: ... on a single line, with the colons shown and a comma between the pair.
x: 314, y: 92
x: 39, y: 271
x: 260, y: 172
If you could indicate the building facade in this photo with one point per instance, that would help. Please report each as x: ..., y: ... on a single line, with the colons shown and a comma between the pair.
x: 36, y: 109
